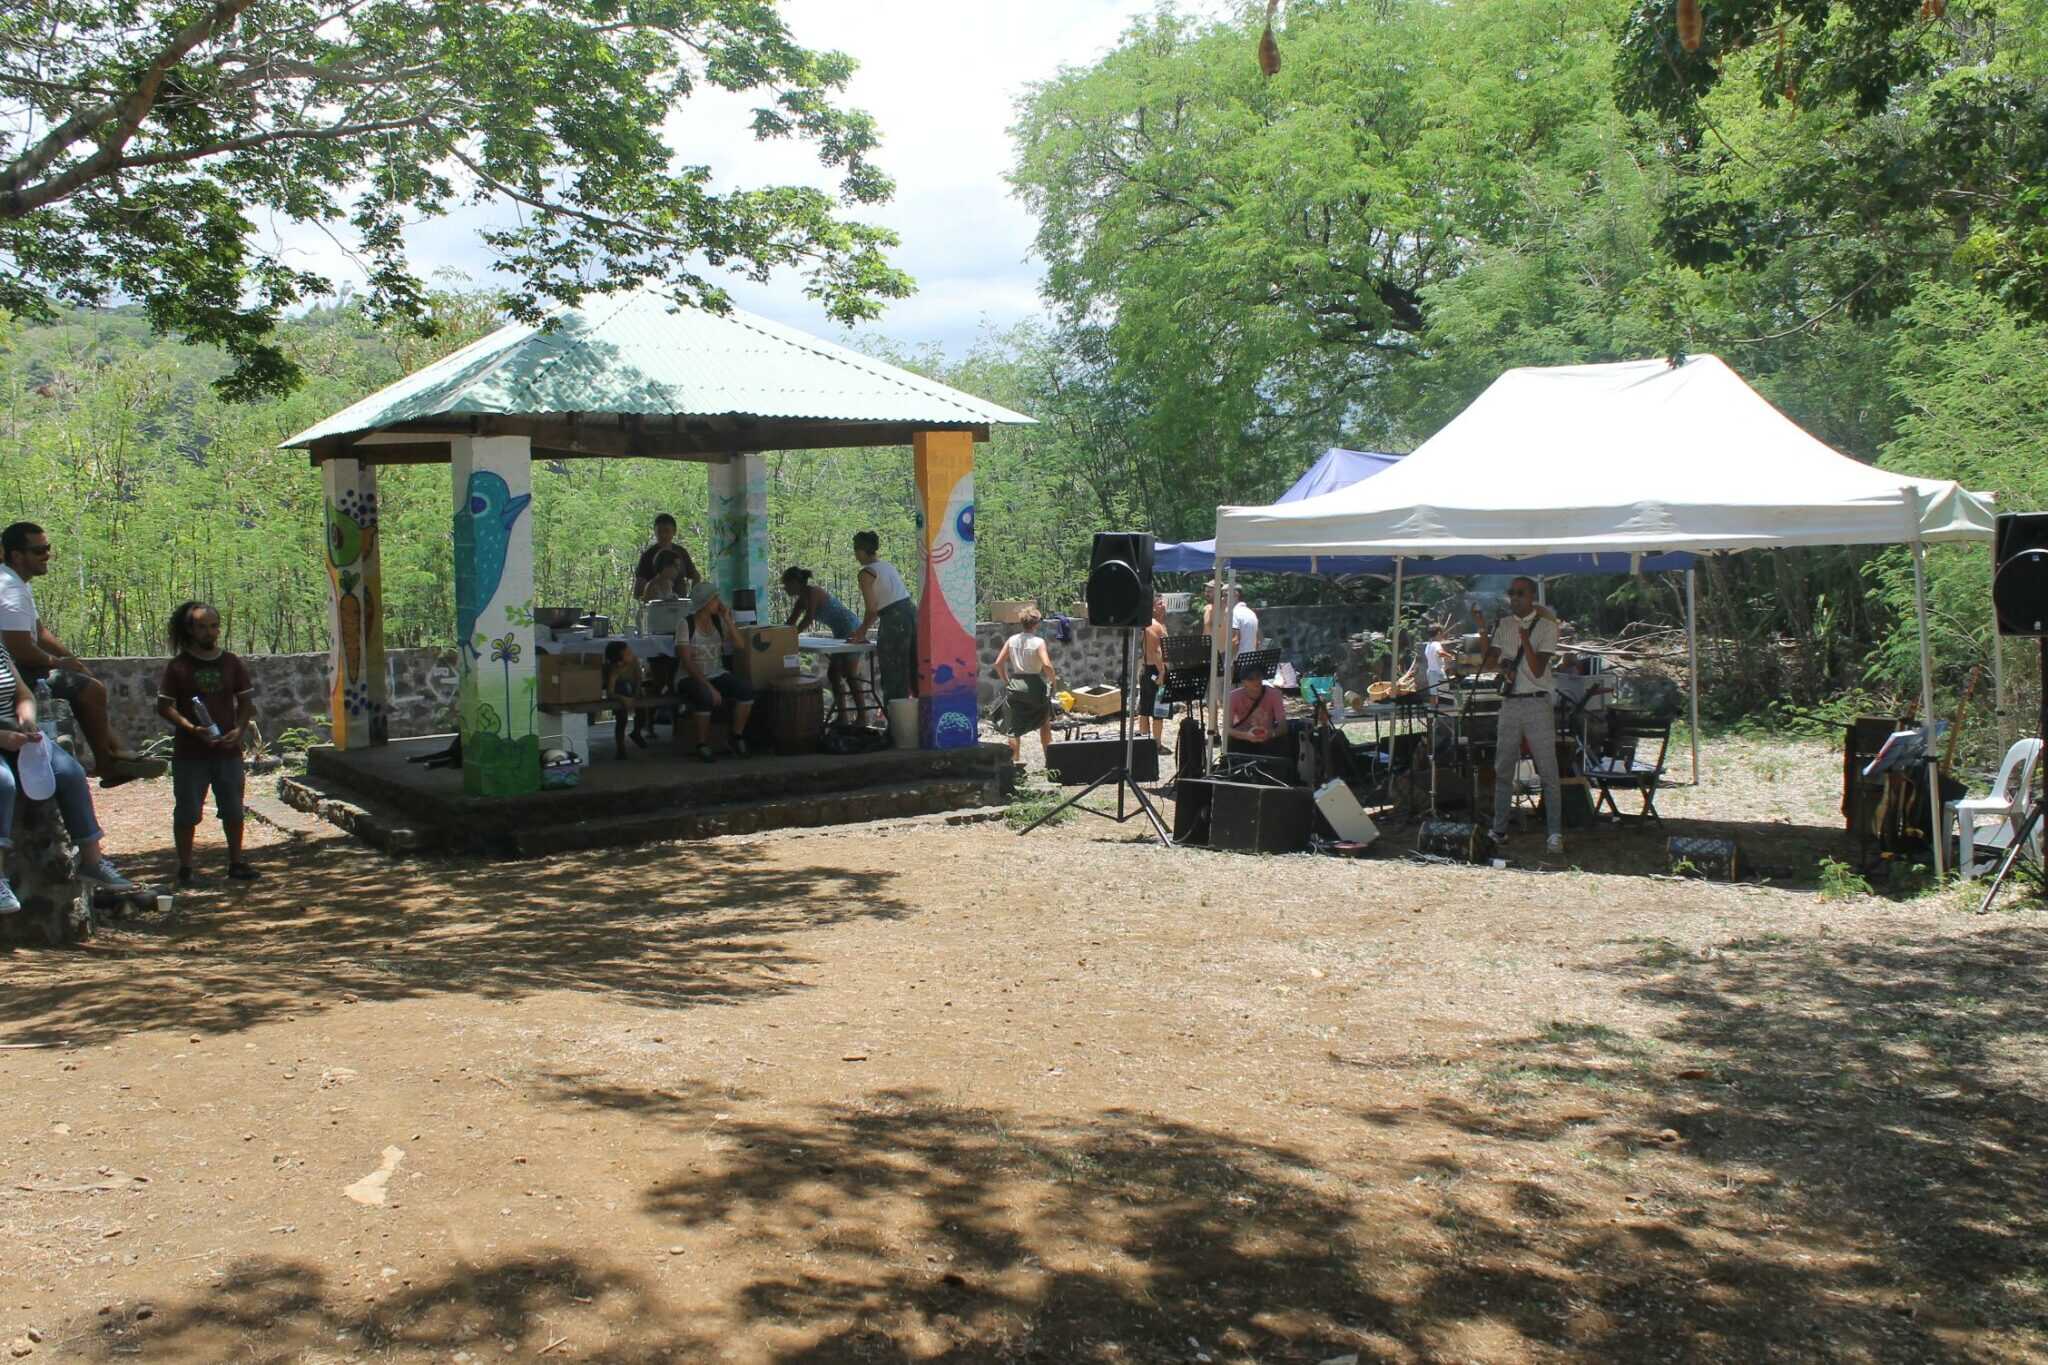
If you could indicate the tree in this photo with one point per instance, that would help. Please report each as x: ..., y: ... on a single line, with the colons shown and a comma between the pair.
x: 1912, y: 140
x: 137, y: 138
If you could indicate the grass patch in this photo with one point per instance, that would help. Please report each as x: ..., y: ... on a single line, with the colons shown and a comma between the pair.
x: 1031, y: 802
x: 1840, y: 882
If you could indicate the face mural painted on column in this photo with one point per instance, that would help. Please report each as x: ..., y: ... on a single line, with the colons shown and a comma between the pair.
x: 952, y: 564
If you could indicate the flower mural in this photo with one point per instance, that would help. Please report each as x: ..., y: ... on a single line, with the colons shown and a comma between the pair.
x: 505, y: 650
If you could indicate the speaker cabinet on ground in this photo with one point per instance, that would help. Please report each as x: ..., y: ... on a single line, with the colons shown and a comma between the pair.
x: 1081, y: 761
x: 1192, y: 797
x: 1120, y: 579
x: 2019, y: 581
x: 1253, y: 819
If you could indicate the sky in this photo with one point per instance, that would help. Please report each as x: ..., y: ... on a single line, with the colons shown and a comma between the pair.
x: 941, y: 80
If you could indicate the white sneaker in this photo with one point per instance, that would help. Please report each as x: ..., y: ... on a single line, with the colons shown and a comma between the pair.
x: 104, y: 873
x: 1554, y: 844
x: 9, y: 902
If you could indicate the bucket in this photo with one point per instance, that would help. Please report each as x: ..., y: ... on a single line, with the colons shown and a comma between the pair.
x: 903, y: 722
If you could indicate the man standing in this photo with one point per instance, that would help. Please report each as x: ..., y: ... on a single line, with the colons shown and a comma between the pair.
x: 1154, y: 640
x: 1522, y: 645
x: 204, y: 754
x: 42, y: 657
x: 664, y: 539
x: 1244, y: 622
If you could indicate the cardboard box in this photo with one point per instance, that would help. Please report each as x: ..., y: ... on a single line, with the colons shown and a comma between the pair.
x: 567, y: 679
x: 1008, y: 613
x: 767, y: 654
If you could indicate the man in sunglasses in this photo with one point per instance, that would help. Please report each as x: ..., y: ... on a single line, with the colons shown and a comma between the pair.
x: 1522, y: 645
x: 42, y: 657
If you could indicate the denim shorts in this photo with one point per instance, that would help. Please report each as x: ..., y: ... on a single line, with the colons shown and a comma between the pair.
x: 190, y: 777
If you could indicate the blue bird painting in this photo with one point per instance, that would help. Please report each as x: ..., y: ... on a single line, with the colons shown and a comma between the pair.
x: 483, y: 527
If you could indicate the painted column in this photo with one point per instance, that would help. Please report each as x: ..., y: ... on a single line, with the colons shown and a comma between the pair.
x: 948, y: 665
x: 739, y: 527
x: 360, y: 698
x: 493, y: 539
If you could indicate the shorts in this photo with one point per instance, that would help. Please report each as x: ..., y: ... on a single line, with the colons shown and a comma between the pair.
x: 730, y: 687
x: 65, y: 685
x: 190, y: 777
x: 1148, y: 691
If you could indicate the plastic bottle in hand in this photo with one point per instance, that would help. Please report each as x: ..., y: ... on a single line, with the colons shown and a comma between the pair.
x: 46, y: 710
x: 204, y: 718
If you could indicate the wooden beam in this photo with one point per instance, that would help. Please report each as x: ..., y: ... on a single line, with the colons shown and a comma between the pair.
x: 608, y: 438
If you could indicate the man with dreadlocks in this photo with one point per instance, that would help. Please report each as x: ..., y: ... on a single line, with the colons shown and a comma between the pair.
x: 208, y: 697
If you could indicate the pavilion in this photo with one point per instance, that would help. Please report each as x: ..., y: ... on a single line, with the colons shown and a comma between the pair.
x: 629, y: 375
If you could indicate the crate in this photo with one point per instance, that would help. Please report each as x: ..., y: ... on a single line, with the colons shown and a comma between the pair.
x: 1096, y: 701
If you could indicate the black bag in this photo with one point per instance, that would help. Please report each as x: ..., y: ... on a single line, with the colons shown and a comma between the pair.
x: 853, y: 739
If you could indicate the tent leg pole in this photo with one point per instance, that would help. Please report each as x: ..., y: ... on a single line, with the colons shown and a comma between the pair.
x: 1394, y: 635
x: 1692, y: 666
x: 1935, y: 837
x: 1227, y: 632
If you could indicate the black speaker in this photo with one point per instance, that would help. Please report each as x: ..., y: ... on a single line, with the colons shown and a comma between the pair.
x: 1081, y: 761
x: 2019, y: 577
x: 1120, y: 579
x: 1192, y: 797
x: 1253, y: 819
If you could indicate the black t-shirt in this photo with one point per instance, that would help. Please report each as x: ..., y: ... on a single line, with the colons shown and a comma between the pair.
x: 645, y: 569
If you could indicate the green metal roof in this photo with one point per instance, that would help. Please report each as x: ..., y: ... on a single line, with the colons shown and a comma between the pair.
x: 641, y: 353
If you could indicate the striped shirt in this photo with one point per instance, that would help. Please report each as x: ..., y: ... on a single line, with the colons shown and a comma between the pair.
x: 10, y: 683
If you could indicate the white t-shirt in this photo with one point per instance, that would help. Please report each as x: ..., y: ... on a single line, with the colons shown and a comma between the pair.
x: 1543, y: 637
x: 17, y: 602
x: 1027, y: 655
x: 1244, y: 624
x: 889, y: 588
x: 1433, y: 661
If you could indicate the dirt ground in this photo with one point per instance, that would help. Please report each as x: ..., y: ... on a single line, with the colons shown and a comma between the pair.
x: 934, y: 1092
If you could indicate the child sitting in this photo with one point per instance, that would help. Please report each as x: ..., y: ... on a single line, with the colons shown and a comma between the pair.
x: 624, y: 683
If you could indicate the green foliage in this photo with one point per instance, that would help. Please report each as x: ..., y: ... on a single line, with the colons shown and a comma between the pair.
x: 156, y: 131
x: 1840, y: 882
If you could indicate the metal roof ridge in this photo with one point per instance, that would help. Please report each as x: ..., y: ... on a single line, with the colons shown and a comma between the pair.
x: 852, y: 359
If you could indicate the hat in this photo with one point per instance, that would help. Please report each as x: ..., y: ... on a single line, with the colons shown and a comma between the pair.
x: 702, y: 596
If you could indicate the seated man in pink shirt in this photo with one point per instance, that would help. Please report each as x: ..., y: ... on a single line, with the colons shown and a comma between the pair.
x: 1258, y: 719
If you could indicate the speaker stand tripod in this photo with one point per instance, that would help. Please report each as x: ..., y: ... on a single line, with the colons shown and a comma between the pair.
x: 1121, y: 773
x: 2035, y: 815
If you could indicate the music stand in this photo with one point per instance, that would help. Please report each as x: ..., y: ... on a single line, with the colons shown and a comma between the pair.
x: 1121, y: 772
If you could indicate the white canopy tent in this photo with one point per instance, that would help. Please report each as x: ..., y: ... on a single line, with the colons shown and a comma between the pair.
x: 1633, y: 458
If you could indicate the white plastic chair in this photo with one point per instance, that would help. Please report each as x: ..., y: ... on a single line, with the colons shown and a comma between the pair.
x: 2006, y: 807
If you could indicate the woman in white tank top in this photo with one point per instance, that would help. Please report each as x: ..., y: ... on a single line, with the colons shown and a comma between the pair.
x: 1024, y: 667
x: 891, y: 618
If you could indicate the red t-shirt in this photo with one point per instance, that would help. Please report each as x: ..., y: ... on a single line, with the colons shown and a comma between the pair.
x: 215, y: 681
x: 1243, y: 711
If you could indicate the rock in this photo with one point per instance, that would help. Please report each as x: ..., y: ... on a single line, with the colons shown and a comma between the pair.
x: 21, y: 1346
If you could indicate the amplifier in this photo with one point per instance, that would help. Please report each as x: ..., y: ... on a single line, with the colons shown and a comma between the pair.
x: 1191, y: 802
x: 1253, y: 819
x: 1081, y: 761
x: 1456, y: 839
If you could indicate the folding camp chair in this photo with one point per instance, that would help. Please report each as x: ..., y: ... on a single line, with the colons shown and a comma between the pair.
x: 1620, y: 766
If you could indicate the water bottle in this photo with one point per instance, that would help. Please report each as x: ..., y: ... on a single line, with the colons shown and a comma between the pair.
x: 46, y: 710
x: 204, y: 718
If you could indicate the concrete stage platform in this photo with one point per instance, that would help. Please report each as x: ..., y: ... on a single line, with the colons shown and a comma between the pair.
x: 658, y: 793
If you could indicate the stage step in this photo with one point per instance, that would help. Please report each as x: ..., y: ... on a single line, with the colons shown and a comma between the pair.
x: 379, y: 825
x: 887, y: 802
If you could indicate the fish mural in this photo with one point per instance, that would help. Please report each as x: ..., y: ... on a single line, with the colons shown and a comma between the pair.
x: 483, y: 528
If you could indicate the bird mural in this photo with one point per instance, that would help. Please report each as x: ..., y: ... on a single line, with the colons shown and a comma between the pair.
x: 483, y: 528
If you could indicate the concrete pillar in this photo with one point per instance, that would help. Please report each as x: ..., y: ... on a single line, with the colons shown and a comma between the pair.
x: 948, y: 665
x: 739, y: 527
x: 493, y: 540
x: 360, y: 700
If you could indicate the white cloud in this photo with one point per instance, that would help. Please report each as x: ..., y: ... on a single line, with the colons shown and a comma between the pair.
x: 942, y: 81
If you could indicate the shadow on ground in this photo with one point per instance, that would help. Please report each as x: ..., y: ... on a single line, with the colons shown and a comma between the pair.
x: 331, y: 922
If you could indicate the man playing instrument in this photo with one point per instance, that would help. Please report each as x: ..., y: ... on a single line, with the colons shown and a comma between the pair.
x: 1526, y: 639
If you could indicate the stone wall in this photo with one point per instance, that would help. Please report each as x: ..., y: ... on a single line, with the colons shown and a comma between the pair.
x: 291, y: 689
x: 291, y: 692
